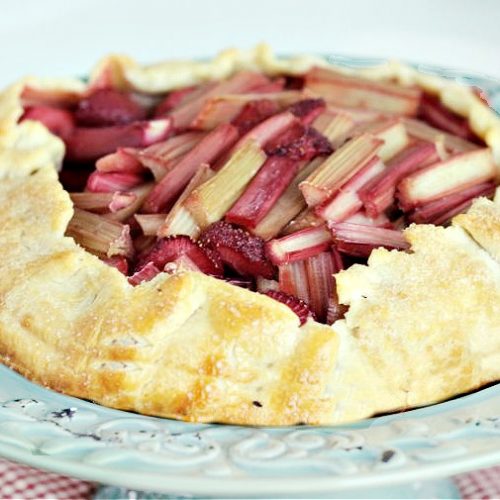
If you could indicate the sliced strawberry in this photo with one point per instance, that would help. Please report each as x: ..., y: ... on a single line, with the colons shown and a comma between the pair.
x: 107, y: 107
x: 263, y: 191
x: 299, y: 143
x: 171, y: 248
x: 299, y: 307
x: 102, y: 182
x: 89, y: 144
x: 59, y: 121
x: 238, y: 249
x: 253, y: 113
x: 308, y: 109
x: 435, y: 113
x: 119, y: 262
x: 146, y: 273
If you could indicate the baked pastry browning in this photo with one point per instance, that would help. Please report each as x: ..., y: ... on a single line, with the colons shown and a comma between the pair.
x: 422, y: 323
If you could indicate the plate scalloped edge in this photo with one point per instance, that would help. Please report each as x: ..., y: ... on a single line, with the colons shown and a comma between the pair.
x: 73, y: 437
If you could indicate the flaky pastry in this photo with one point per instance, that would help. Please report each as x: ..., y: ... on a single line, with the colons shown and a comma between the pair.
x: 422, y: 324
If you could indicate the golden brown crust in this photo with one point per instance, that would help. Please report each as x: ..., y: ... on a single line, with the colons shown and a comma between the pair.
x: 196, y: 348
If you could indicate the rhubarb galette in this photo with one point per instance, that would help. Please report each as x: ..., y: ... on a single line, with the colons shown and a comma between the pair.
x: 250, y: 240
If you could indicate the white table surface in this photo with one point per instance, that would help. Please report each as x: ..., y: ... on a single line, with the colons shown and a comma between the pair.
x: 67, y: 36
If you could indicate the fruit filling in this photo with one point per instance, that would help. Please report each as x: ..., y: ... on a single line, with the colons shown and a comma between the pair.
x: 272, y: 184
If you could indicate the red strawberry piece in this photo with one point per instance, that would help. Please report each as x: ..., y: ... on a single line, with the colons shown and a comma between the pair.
x: 300, y: 143
x: 118, y: 261
x: 253, y: 113
x: 171, y: 248
x: 59, y: 121
x: 146, y: 273
x: 172, y: 100
x: 298, y: 306
x: 308, y: 109
x: 106, y: 107
x: 240, y: 250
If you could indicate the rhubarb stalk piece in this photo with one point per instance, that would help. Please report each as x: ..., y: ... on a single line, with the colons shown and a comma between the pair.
x: 438, y: 115
x: 320, y: 271
x: 209, y: 202
x: 356, y: 92
x: 392, y: 132
x: 338, y: 168
x: 334, y: 126
x: 380, y: 221
x: 263, y: 191
x: 109, y: 182
x: 300, y: 245
x: 123, y: 160
x: 100, y: 235
x: 422, y: 131
x: 146, y: 273
x: 243, y: 110
x: 446, y: 178
x: 347, y: 201
x: 161, y: 157
x: 359, y: 241
x: 207, y: 150
x: 378, y: 194
x: 444, y: 209
x: 179, y: 220
x: 293, y: 280
x: 124, y: 213
x: 306, y: 219
x: 150, y: 223
x: 240, y: 83
x: 89, y: 144
x: 288, y: 205
x: 103, y: 202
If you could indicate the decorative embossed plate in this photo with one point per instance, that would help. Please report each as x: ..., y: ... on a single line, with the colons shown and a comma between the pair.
x: 77, y: 438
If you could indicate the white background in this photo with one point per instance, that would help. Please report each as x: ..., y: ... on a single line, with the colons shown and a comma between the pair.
x: 68, y: 36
